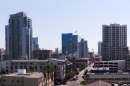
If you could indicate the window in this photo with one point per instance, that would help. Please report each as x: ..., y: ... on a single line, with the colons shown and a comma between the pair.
x: 4, y: 80
x: 105, y: 63
x: 58, y: 63
x: 12, y: 81
x: 17, y: 81
x: 6, y: 63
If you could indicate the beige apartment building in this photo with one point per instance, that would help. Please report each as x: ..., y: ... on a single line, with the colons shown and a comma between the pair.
x: 27, y: 79
x: 114, y: 45
x: 14, y: 65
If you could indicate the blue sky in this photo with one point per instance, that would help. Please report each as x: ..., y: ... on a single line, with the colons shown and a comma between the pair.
x: 51, y: 18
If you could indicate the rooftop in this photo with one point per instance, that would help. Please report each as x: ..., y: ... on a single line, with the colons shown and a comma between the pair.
x: 99, y: 83
x: 100, y: 68
x: 109, y: 75
x: 57, y: 59
x: 29, y: 61
x: 114, y: 61
x: 27, y: 75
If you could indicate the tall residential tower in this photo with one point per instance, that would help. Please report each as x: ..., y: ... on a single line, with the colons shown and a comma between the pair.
x: 114, y: 42
x: 19, y: 36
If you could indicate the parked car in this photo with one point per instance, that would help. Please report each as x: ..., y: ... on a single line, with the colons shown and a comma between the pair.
x: 77, y: 77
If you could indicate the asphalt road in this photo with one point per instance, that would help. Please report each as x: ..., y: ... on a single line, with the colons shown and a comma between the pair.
x: 77, y: 83
x: 81, y: 73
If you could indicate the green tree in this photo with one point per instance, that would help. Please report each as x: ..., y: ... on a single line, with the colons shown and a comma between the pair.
x: 44, y: 71
x: 12, y: 70
x: 70, y: 75
x: 75, y: 70
x: 85, y: 74
x: 48, y: 69
x: 56, y: 70
x: 33, y: 69
x: 74, y: 64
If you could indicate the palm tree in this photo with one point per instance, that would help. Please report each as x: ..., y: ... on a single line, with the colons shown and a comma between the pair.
x: 44, y: 72
x: 56, y: 70
x: 48, y: 70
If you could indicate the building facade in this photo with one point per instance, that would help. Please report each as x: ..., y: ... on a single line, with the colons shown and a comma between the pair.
x: 1, y: 54
x: 42, y: 54
x: 99, y: 48
x: 28, y: 79
x: 112, y: 65
x: 83, y: 49
x: 80, y: 61
x: 13, y: 65
x: 56, y: 51
x: 128, y: 61
x: 19, y: 36
x: 61, y: 63
x: 71, y: 44
x: 114, y: 42
x: 35, y: 43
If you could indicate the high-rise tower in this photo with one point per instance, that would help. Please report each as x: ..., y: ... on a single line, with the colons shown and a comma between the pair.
x: 19, y: 37
x: 35, y: 43
x: 71, y: 44
x: 114, y: 44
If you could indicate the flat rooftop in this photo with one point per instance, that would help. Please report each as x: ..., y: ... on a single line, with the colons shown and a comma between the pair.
x: 109, y: 75
x: 61, y: 60
x: 114, y: 61
x: 100, y: 69
x: 29, y: 61
x: 27, y: 75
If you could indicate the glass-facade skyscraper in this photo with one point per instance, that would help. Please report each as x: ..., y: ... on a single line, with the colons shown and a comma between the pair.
x: 35, y: 43
x: 99, y: 47
x: 83, y: 49
x: 18, y: 36
x: 70, y: 44
x: 67, y: 43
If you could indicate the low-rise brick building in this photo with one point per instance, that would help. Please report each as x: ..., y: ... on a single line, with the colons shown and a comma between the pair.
x: 42, y: 54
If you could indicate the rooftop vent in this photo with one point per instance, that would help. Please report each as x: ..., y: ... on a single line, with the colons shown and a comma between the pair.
x: 21, y: 71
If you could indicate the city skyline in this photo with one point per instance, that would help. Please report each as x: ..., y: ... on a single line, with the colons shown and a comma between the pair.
x: 57, y: 17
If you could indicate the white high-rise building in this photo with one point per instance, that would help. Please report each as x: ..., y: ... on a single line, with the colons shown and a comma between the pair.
x: 114, y: 42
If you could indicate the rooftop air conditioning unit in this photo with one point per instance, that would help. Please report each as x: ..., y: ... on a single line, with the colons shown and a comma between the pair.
x: 21, y: 71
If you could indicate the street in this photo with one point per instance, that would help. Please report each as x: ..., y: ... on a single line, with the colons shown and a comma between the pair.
x: 77, y: 83
x: 82, y: 72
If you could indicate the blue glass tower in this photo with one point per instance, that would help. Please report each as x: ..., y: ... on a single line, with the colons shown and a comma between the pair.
x: 99, y: 47
x: 35, y: 43
x: 71, y: 44
x: 67, y: 43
